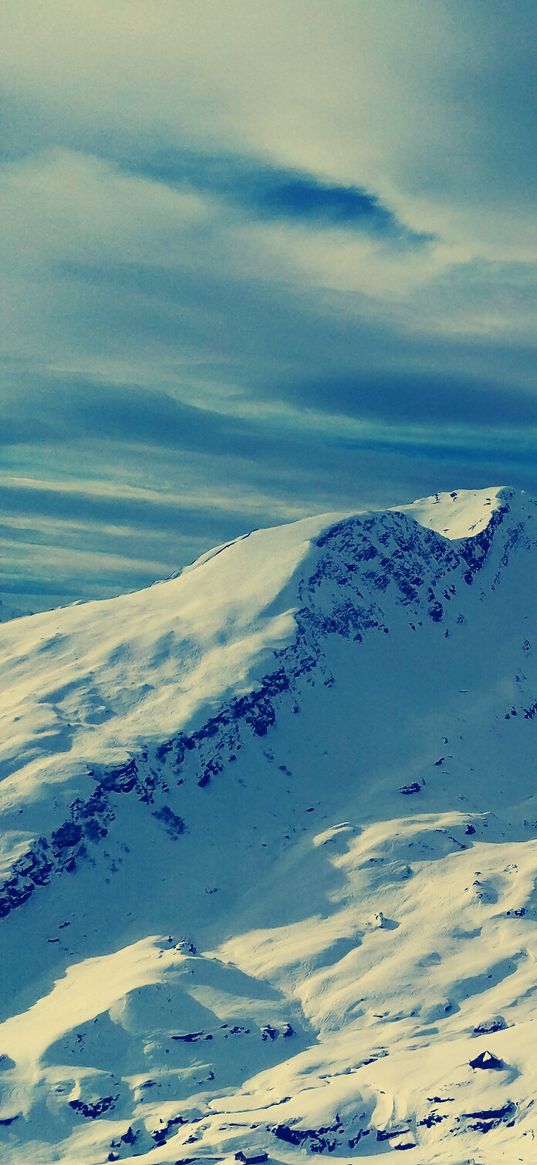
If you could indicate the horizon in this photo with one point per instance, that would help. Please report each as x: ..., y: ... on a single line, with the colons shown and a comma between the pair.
x: 423, y: 511
x: 259, y: 263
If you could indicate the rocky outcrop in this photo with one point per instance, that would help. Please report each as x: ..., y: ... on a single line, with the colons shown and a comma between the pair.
x: 95, y: 1109
x: 360, y: 562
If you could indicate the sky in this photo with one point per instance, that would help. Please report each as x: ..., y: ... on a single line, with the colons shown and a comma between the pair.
x: 258, y: 260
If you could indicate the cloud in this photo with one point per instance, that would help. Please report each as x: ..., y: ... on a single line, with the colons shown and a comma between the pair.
x: 269, y: 191
x: 44, y: 407
x: 430, y: 108
x: 257, y: 260
x: 421, y: 398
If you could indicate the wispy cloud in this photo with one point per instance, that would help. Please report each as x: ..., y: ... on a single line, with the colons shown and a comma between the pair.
x: 257, y: 261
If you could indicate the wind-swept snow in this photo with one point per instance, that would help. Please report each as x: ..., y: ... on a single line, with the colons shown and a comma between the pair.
x: 96, y: 679
x: 269, y: 856
x: 459, y: 514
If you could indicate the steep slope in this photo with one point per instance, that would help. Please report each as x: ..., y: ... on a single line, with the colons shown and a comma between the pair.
x: 269, y: 851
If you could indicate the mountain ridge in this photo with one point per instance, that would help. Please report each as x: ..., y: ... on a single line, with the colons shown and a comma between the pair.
x: 375, y: 745
x: 356, y: 548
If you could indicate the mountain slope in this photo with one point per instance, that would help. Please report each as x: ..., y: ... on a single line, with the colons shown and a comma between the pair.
x: 270, y: 848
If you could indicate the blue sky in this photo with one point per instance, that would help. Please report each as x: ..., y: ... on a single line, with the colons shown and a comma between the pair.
x: 257, y: 261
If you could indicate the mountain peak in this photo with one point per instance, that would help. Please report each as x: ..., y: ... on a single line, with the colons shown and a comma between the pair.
x: 462, y: 513
x: 268, y: 848
x: 83, y: 684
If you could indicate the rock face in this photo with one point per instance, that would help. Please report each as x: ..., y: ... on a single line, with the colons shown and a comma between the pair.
x: 313, y: 753
x: 487, y: 1060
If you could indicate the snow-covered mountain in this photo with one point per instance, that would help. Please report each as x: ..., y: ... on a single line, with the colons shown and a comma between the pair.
x: 269, y: 852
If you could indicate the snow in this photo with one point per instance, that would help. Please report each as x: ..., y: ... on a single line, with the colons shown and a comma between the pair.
x: 356, y: 945
x: 192, y: 641
x: 459, y: 514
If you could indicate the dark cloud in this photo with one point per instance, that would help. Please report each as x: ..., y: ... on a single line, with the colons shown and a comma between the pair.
x: 272, y: 192
x: 424, y: 399
x: 250, y: 184
x: 45, y: 408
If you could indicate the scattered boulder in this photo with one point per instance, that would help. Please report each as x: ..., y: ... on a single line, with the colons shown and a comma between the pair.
x: 486, y: 1119
x: 315, y: 1140
x: 387, y: 1134
x: 192, y: 1037
x: 495, y: 1024
x: 92, y: 1111
x: 251, y: 1158
x: 173, y: 824
x: 185, y: 947
x: 487, y: 1060
x: 432, y: 1118
x: 160, y: 1136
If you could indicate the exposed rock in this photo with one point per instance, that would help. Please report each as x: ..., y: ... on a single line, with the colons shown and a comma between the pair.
x: 174, y: 824
x: 67, y: 835
x: 251, y: 1158
x: 192, y: 1037
x: 487, y: 1060
x: 495, y: 1024
x: 160, y: 1136
x: 93, y: 1110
